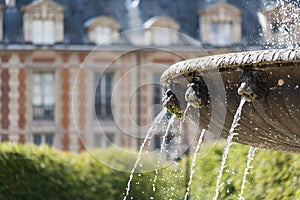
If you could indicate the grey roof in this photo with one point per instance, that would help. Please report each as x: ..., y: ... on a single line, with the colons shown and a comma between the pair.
x: 80, y: 11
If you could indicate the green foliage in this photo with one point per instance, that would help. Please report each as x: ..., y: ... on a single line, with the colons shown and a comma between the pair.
x: 274, y: 175
x: 31, y: 172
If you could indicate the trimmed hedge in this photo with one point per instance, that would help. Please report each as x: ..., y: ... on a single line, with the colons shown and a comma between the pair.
x: 31, y: 172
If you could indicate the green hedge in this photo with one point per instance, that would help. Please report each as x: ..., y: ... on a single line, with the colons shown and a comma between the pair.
x: 31, y: 172
x: 275, y: 175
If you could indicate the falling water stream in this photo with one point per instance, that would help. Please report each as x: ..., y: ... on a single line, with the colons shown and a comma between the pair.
x: 149, y: 135
x: 234, y: 124
x: 163, y: 144
x: 194, y: 163
x: 246, y: 172
x: 164, y: 140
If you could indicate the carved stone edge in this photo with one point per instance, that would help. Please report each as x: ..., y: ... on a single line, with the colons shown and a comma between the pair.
x: 231, y: 60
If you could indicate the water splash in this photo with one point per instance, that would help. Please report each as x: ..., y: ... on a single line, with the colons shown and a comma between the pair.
x: 281, y: 24
x: 250, y: 157
x: 149, y: 135
x: 194, y: 163
x: 234, y: 124
x: 161, y: 151
x: 182, y: 120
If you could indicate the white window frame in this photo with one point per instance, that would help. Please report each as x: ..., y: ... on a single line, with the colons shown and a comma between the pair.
x: 44, y: 100
x: 103, y: 97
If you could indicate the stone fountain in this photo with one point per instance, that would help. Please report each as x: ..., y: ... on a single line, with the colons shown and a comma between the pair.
x: 269, y: 80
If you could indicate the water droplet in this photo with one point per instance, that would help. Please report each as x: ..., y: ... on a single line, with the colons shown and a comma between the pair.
x: 280, y: 82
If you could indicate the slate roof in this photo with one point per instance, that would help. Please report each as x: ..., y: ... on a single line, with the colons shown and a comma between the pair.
x: 80, y: 11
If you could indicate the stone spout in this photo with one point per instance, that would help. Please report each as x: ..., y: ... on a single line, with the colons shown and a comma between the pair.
x: 171, y: 102
x: 268, y: 79
x: 197, y: 93
x: 253, y: 85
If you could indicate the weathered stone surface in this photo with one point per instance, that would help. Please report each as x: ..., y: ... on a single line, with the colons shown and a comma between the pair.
x: 272, y: 122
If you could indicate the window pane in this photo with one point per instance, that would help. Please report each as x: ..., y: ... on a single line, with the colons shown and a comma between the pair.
x: 37, y: 139
x: 37, y: 31
x: 157, y: 142
x: 157, y: 94
x: 98, y: 140
x: 222, y: 33
x: 110, y: 139
x: 161, y: 36
x: 43, y: 96
x: 37, y: 90
x: 103, y: 35
x: 103, y: 99
x: 49, y: 139
x: 49, y: 32
x: 48, y: 90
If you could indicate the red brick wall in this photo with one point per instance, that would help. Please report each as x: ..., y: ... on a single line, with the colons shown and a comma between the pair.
x: 4, y: 110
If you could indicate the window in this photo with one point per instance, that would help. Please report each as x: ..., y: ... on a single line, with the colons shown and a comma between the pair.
x: 220, y: 24
x: 103, y: 35
x: 161, y: 31
x: 43, y: 32
x: 43, y: 96
x: 10, y: 3
x: 102, y: 30
x: 157, y: 94
x: 103, y: 96
x: 40, y: 139
x: 104, y: 140
x: 43, y: 22
x: 222, y: 33
x: 162, y: 36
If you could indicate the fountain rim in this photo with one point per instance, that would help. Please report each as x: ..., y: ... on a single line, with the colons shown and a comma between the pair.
x: 232, y: 61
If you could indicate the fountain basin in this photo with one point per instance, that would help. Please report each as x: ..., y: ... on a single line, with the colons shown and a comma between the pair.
x: 213, y: 85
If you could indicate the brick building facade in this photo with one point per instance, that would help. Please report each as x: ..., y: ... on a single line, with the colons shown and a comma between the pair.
x: 58, y: 87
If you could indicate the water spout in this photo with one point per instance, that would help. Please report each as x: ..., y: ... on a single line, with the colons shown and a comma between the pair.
x: 253, y: 85
x: 197, y: 93
x: 171, y: 102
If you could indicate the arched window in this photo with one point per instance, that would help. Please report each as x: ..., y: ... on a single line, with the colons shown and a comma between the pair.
x: 102, y: 30
x: 161, y: 31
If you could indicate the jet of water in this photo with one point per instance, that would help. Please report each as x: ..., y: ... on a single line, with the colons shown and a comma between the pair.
x: 249, y: 159
x: 194, y: 163
x: 234, y: 124
x: 161, y: 151
x: 149, y: 135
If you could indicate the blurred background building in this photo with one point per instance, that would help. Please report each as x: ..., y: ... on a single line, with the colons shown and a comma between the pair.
x: 55, y: 91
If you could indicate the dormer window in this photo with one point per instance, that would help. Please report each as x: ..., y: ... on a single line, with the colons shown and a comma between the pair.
x: 43, y: 22
x: 161, y: 31
x: 221, y: 33
x: 43, y: 31
x: 280, y: 25
x: 103, y: 30
x: 10, y: 3
x: 220, y: 25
